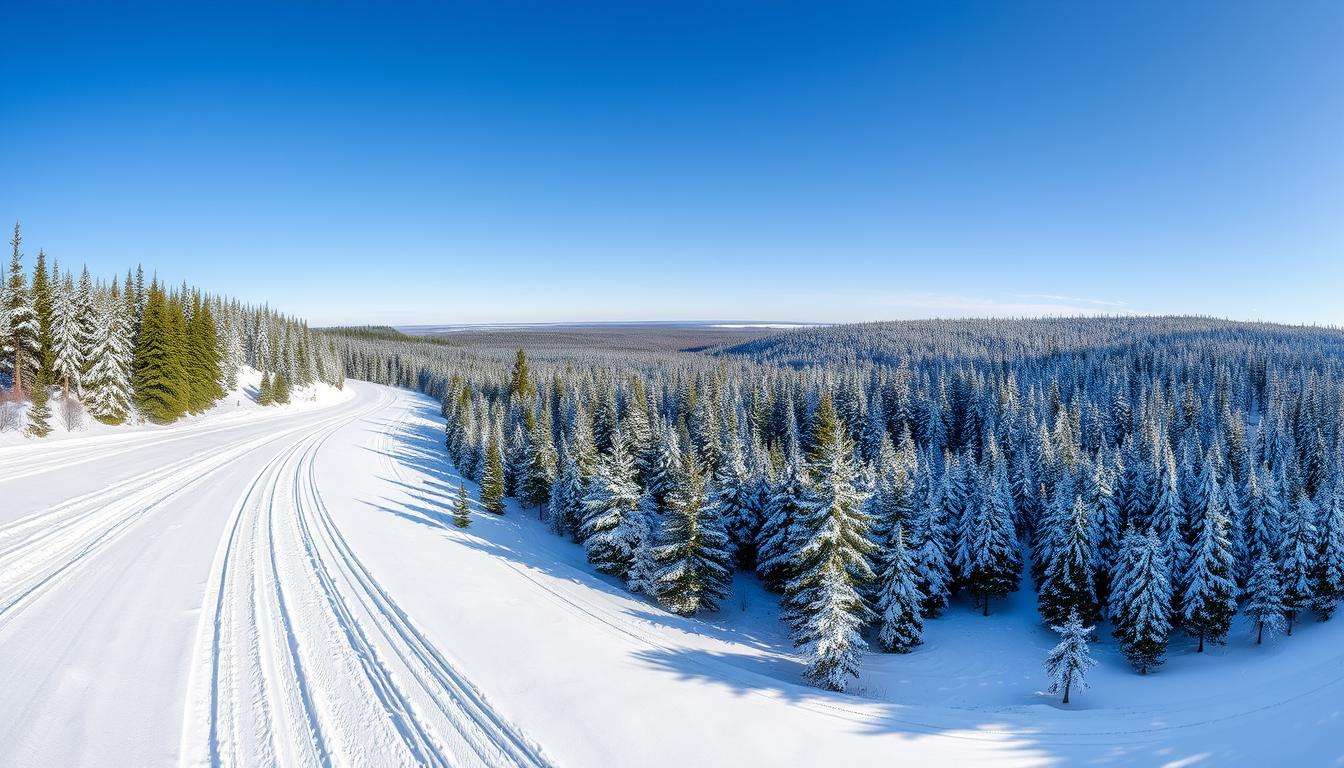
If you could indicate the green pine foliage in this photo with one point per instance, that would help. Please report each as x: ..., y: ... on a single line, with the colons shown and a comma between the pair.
x: 695, y: 562
x: 158, y: 374
x: 39, y: 415
x: 461, y: 508
x: 280, y: 389
x: 492, y: 476
x: 1068, y: 586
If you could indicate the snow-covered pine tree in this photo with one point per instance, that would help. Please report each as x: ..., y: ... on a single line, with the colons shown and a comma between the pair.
x: 1263, y: 522
x: 42, y: 299
x: 775, y: 562
x: 1141, y: 600
x: 1068, y: 586
x: 492, y: 473
x: 281, y: 388
x: 612, y: 495
x: 1264, y: 598
x: 694, y: 553
x: 1104, y: 517
x: 107, y: 389
x: 899, y: 602
x: 515, y: 459
x: 265, y: 390
x: 644, y: 527
x: 824, y: 604
x: 20, y: 349
x: 39, y: 413
x: 1169, y: 513
x: 929, y: 541
x: 994, y: 563
x: 1298, y: 558
x: 1328, y: 575
x: 86, y: 319
x: 564, y: 510
x: 461, y: 508
x: 66, y: 359
x: 730, y: 495
x: 1208, y: 596
x: 538, y: 469
x: 1067, y: 664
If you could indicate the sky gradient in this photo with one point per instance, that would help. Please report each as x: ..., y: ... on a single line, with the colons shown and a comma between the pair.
x: 523, y: 162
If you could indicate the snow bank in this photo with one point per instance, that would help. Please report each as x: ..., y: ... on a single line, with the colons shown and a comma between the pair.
x: 238, y: 404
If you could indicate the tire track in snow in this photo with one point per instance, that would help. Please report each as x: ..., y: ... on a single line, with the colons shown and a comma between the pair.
x: 31, y: 460
x: 289, y: 668
x: 40, y: 550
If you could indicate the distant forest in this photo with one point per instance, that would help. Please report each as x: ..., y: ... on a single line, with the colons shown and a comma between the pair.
x: 1162, y: 474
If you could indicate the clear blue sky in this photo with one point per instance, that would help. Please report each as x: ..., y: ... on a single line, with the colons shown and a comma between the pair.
x: 573, y: 161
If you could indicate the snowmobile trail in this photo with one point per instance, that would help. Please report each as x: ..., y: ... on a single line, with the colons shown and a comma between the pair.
x: 193, y: 602
x: 306, y: 660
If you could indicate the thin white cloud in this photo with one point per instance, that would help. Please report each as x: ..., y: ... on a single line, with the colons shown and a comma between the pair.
x: 1069, y: 299
x: 946, y: 305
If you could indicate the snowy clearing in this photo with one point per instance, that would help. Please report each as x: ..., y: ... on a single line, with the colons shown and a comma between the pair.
x: 286, y: 588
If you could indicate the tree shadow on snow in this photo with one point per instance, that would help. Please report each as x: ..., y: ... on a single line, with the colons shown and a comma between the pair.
x: 1033, y: 733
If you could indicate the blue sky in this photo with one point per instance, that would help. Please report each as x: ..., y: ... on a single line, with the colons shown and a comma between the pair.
x: 522, y: 162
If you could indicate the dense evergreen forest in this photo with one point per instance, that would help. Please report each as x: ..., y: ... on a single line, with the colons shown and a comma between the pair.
x: 1165, y: 474
x: 119, y: 349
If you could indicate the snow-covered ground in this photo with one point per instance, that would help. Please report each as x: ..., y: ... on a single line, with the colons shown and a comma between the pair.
x: 285, y: 588
x: 237, y: 405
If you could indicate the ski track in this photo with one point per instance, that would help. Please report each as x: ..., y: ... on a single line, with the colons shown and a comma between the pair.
x: 302, y: 657
x: 42, y: 549
x: 22, y: 461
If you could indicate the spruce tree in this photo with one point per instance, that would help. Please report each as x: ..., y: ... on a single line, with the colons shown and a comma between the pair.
x: 20, y: 349
x: 1067, y: 663
x: 612, y: 495
x: 538, y: 470
x: 644, y: 527
x: 994, y: 564
x: 932, y: 575
x: 1264, y: 598
x: 265, y: 391
x: 39, y: 414
x: 564, y: 510
x: 43, y: 298
x: 461, y: 508
x: 694, y: 555
x: 776, y: 551
x: 730, y: 494
x: 492, y: 475
x: 824, y: 604
x: 1328, y: 575
x: 1141, y: 600
x: 899, y: 602
x: 280, y: 390
x: 1068, y: 586
x: 1208, y: 597
x: 67, y: 360
x: 157, y: 377
x: 107, y: 388
x: 1298, y: 558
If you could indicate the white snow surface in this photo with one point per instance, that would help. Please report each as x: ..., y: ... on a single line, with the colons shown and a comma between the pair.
x: 284, y: 587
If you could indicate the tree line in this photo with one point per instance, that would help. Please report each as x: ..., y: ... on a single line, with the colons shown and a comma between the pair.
x: 122, y: 349
x: 1164, y: 482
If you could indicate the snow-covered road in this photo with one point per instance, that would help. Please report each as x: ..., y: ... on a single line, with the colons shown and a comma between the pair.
x: 184, y: 597
x: 283, y: 588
